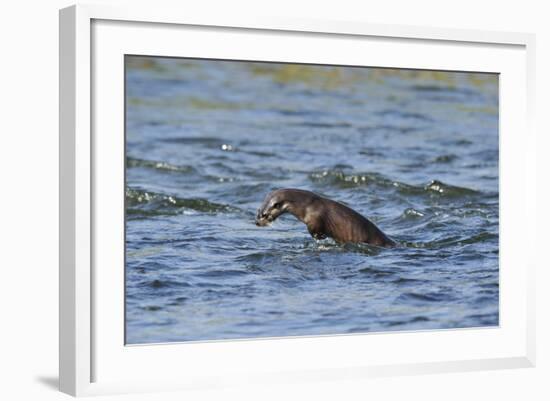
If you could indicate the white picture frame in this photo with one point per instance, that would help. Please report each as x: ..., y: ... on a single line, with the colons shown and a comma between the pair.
x: 94, y: 360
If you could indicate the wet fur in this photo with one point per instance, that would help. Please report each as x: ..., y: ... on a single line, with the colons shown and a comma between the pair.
x: 322, y: 216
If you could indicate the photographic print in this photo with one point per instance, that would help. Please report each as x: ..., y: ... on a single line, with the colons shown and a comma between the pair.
x: 268, y: 199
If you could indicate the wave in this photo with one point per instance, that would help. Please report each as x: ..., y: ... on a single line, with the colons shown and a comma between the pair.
x: 387, y: 128
x: 336, y: 177
x: 164, y: 283
x: 444, y: 89
x: 184, y: 169
x: 424, y: 297
x: 194, y: 140
x: 481, y: 237
x: 148, y: 203
x: 417, y: 319
x: 376, y: 273
x: 411, y: 213
x: 394, y: 113
x: 157, y: 165
x: 445, y: 158
x: 448, y: 190
x: 311, y: 124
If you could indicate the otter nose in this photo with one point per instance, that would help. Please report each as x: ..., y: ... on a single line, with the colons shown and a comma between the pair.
x: 261, y: 217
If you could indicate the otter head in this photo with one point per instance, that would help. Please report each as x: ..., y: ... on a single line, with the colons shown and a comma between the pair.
x: 273, y: 206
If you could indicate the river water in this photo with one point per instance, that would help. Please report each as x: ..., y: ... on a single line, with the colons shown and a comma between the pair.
x: 414, y: 151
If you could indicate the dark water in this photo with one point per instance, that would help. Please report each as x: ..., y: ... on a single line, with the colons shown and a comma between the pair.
x: 415, y: 151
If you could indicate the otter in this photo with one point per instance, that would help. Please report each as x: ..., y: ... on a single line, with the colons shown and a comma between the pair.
x: 322, y: 216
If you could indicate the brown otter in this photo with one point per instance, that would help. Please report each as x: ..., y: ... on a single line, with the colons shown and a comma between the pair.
x: 323, y: 217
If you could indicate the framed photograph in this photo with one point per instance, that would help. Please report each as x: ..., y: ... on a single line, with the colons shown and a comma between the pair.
x: 269, y: 200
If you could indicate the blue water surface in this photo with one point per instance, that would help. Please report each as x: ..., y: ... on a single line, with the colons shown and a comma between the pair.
x: 414, y: 151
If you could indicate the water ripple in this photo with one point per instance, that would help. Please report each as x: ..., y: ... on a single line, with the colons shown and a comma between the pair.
x: 148, y: 203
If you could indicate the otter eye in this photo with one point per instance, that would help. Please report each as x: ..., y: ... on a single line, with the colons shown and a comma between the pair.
x: 278, y: 205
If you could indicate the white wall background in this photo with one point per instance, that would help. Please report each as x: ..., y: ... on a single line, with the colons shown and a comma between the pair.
x: 29, y: 187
